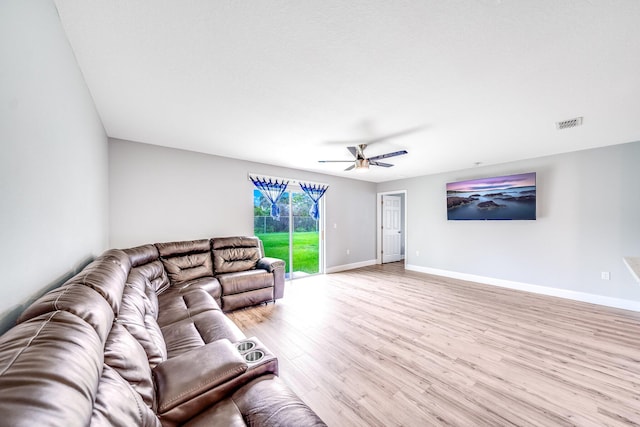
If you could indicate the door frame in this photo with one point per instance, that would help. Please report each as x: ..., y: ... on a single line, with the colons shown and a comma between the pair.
x: 379, y: 222
x: 294, y: 182
x: 294, y: 186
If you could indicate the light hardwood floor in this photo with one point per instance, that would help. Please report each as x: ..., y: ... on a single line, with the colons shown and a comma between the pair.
x: 381, y: 346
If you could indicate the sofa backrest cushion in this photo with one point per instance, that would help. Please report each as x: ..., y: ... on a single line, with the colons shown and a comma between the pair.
x: 186, y: 261
x: 118, y: 405
x: 181, y: 269
x: 107, y: 275
x: 146, y: 261
x: 50, y: 367
x: 143, y: 285
x: 172, y: 249
x: 124, y: 354
x: 137, y: 317
x: 77, y: 299
x: 156, y: 274
x: 141, y: 255
x: 232, y: 254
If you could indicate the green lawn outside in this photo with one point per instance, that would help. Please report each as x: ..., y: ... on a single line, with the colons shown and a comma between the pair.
x: 305, y: 254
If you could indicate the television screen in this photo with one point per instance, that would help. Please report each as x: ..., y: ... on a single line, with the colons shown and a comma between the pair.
x: 500, y: 198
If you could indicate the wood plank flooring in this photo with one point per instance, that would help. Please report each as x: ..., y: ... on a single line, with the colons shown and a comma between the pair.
x: 381, y: 346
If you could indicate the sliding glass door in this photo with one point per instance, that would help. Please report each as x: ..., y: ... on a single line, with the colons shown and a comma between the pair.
x: 295, y: 237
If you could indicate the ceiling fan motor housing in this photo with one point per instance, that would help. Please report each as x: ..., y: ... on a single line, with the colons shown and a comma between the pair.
x: 362, y: 164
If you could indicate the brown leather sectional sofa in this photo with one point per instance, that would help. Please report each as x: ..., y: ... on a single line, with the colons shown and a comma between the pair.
x: 139, y: 338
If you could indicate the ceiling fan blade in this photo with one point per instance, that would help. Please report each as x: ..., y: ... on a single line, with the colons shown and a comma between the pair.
x: 335, y: 161
x: 354, y: 151
x: 384, y: 165
x: 395, y: 135
x: 386, y: 156
x: 350, y: 167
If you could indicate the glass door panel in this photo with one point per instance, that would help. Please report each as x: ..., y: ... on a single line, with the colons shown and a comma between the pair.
x: 306, y: 244
x: 295, y: 238
x: 273, y: 233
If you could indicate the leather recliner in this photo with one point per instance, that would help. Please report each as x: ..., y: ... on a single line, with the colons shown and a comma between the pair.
x: 138, y: 338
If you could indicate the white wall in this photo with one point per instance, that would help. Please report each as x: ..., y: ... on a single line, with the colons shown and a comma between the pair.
x: 56, y: 200
x: 588, y: 206
x: 53, y: 167
x: 159, y: 194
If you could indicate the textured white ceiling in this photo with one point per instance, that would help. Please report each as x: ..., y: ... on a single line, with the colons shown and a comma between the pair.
x: 290, y: 82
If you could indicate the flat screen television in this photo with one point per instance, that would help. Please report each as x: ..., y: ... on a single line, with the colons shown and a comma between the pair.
x: 497, y: 198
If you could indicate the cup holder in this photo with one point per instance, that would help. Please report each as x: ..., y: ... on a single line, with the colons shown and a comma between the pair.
x: 245, y: 346
x: 254, y: 356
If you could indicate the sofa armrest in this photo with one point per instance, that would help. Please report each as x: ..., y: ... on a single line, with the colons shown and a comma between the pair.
x: 189, y: 383
x: 270, y: 264
x: 276, y: 267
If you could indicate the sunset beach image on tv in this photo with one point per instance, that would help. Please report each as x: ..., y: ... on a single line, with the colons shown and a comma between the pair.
x: 511, y: 197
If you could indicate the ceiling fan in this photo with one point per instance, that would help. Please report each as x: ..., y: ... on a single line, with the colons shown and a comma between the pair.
x: 361, y: 162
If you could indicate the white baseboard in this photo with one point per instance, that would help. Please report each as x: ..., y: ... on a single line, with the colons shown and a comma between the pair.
x: 344, y: 267
x: 537, y: 289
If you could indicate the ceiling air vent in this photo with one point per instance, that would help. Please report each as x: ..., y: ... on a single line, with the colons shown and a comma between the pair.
x: 571, y: 123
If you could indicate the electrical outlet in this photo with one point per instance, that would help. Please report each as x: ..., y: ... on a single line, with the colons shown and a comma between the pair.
x: 417, y: 253
x: 348, y: 251
x: 605, y: 275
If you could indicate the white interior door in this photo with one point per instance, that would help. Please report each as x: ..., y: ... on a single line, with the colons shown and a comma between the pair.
x: 391, y: 228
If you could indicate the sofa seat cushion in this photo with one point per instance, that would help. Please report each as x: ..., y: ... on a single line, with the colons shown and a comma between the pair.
x: 244, y: 281
x: 265, y: 401
x: 195, y: 331
x: 176, y: 305
x: 224, y: 413
x: 208, y: 283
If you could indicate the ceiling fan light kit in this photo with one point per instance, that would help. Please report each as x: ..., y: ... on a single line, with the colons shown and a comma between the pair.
x: 362, y: 165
